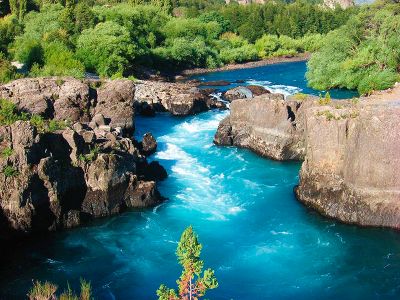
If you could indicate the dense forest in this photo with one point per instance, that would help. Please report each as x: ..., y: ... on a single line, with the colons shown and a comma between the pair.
x: 114, y: 39
x: 363, y: 54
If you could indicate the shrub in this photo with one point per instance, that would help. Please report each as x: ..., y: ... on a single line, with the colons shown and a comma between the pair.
x: 91, y: 156
x: 10, y: 171
x: 47, y: 291
x: 59, y: 61
x: 362, y: 55
x: 106, y: 49
x: 42, y: 291
x: 7, y: 71
x: 244, y: 53
x: 9, y: 113
x: 7, y: 152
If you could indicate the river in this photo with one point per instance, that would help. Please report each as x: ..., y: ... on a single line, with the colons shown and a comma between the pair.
x: 261, y: 242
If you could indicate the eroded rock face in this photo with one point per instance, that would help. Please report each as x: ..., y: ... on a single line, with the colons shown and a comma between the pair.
x: 115, y: 101
x: 269, y: 125
x: 62, y: 99
x: 352, y: 162
x: 245, y: 92
x: 179, y: 99
x: 59, y: 179
x: 350, y: 150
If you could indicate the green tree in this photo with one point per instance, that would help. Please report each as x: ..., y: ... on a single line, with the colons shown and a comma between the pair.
x: 192, y: 284
x: 106, y: 49
x: 18, y: 8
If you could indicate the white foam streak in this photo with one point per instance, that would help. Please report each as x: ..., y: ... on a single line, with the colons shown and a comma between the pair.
x: 286, y: 90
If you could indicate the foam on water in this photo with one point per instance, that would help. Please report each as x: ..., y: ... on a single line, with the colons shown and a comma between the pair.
x: 276, y: 88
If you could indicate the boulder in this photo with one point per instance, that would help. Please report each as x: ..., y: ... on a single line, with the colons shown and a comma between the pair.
x: 115, y: 101
x: 245, y: 92
x: 178, y: 98
x: 148, y: 144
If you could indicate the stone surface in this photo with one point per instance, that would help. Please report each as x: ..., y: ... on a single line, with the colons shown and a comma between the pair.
x: 178, y: 98
x: 115, y: 101
x: 352, y: 162
x: 268, y: 125
x: 148, y: 144
x: 245, y: 92
x: 62, y: 179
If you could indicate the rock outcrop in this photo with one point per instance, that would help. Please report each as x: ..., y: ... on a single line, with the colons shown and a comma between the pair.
x: 245, y: 92
x: 349, y: 147
x: 55, y: 180
x: 179, y: 99
x: 351, y: 168
x: 269, y: 125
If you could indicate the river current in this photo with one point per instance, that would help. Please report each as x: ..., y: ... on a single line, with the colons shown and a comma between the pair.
x: 261, y: 242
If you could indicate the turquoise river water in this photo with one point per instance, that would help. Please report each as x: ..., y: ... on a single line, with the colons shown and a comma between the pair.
x: 262, y: 243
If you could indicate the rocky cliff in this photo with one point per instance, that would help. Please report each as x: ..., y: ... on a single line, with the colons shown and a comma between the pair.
x: 350, y: 150
x: 269, y: 125
x: 69, y: 155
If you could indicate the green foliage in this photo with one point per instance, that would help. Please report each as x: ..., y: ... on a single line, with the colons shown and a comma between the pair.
x: 106, y: 49
x: 7, y: 71
x: 9, y: 113
x: 7, y: 152
x: 10, y: 171
x: 91, y: 156
x: 326, y: 100
x: 192, y: 284
x: 59, y: 60
x: 9, y: 28
x: 362, y: 55
x: 186, y: 53
x: 111, y: 38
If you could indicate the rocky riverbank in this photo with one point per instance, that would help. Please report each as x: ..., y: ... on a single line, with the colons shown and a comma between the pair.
x: 67, y: 151
x: 350, y: 150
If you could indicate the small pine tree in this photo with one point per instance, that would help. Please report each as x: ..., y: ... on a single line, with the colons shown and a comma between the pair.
x: 192, y: 284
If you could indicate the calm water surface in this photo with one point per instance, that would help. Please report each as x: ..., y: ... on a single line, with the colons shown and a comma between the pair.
x: 262, y: 243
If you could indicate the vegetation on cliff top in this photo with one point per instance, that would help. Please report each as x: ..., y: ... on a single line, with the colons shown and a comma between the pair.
x: 114, y: 38
x: 364, y: 54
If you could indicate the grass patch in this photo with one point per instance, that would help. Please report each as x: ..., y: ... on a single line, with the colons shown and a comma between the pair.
x: 91, y: 156
x: 10, y: 171
x: 326, y: 100
x: 7, y: 152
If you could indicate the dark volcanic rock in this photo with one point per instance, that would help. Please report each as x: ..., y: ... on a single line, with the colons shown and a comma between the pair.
x: 148, y: 144
x: 115, y: 101
x: 216, y: 83
x: 56, y: 180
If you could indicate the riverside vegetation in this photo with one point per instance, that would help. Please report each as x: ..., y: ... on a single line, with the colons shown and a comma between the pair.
x: 116, y: 38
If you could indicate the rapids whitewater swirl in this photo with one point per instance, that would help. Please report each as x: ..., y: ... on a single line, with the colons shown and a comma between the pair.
x: 262, y: 243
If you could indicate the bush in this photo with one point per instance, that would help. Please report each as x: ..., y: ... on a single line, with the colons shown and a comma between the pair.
x: 7, y: 152
x: 181, y: 53
x: 362, y: 55
x: 7, y: 71
x: 10, y: 171
x: 9, y: 113
x: 106, y: 49
x: 244, y: 53
x: 59, y: 61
